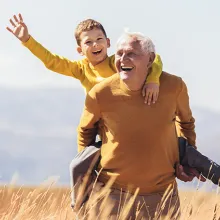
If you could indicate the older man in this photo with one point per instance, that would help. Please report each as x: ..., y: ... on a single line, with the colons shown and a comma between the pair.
x: 139, y: 142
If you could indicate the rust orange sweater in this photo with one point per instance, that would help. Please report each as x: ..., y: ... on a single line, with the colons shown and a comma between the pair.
x: 139, y: 142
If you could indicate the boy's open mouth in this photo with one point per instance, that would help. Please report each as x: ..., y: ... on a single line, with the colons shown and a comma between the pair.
x: 126, y: 68
x: 97, y: 52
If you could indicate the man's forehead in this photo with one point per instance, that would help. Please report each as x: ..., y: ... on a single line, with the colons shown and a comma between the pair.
x: 129, y: 44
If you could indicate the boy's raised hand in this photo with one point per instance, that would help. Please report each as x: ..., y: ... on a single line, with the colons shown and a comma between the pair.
x: 19, y: 29
x: 150, y: 91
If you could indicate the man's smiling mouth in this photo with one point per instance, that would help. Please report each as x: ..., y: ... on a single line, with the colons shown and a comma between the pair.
x: 126, y: 68
x: 97, y: 52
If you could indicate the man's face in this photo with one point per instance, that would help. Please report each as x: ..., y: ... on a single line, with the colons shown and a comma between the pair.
x: 94, y: 45
x: 132, y: 63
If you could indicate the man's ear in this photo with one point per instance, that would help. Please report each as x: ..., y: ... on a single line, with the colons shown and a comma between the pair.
x: 151, y: 59
x: 108, y: 43
x: 79, y: 50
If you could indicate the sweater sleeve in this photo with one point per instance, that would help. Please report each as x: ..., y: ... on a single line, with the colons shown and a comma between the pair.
x: 156, y: 70
x: 184, y: 119
x: 88, y: 126
x: 54, y: 62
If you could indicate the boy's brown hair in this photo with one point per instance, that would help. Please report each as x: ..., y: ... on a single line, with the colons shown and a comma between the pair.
x: 87, y: 25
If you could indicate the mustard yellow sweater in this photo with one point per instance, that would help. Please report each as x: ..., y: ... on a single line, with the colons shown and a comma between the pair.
x: 83, y: 70
x: 139, y: 142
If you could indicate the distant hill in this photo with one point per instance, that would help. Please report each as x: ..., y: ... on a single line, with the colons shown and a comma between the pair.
x: 38, y: 132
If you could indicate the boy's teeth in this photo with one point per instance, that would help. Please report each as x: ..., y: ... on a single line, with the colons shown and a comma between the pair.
x: 98, y: 51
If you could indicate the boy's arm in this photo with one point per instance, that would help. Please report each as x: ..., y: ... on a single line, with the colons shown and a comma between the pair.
x: 156, y: 70
x: 88, y: 127
x: 151, y: 88
x: 53, y: 62
x: 184, y: 120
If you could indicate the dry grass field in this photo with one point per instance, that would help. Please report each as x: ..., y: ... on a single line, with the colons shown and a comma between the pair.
x: 51, y: 202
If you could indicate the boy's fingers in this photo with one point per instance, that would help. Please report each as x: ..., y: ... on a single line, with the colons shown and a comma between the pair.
x: 15, y: 17
x: 9, y: 29
x: 20, y: 17
x: 146, y: 97
x: 143, y: 92
x: 155, y: 95
x: 23, y: 24
x: 12, y: 23
x: 150, y: 96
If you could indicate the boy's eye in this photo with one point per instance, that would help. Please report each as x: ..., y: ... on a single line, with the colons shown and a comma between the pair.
x: 100, y: 38
x: 88, y: 42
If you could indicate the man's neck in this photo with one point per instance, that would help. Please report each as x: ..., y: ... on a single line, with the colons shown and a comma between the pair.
x: 132, y: 85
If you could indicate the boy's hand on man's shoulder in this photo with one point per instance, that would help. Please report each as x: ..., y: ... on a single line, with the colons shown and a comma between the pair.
x: 19, y: 29
x: 150, y: 91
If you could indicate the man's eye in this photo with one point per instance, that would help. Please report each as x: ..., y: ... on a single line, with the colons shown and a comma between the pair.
x: 131, y: 54
x: 119, y: 54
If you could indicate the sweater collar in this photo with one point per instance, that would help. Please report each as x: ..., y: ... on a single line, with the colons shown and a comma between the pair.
x: 125, y: 88
x: 101, y: 65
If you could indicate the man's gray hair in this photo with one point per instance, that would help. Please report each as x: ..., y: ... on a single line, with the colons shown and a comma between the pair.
x: 145, y: 42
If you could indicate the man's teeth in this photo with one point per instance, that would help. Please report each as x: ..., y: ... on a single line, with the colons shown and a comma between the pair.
x: 126, y: 68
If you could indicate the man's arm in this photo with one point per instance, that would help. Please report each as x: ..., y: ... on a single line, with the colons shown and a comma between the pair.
x: 184, y: 119
x: 88, y: 127
x: 185, y: 128
x: 52, y: 61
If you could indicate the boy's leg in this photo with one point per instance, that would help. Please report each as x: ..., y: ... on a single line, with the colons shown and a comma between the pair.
x: 189, y: 156
x: 82, y: 166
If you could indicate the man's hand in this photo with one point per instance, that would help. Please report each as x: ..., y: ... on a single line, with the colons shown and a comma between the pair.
x: 187, y: 174
x: 150, y: 92
x: 19, y: 29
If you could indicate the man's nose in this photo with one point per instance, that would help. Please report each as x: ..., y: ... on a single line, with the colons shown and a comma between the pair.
x: 124, y: 57
x: 95, y: 44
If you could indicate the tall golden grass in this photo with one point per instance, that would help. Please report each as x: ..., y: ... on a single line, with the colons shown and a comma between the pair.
x: 47, y: 201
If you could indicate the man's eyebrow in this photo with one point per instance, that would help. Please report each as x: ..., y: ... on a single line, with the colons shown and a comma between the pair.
x: 119, y: 50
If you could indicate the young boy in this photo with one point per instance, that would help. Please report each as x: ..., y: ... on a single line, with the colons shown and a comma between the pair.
x: 92, y: 43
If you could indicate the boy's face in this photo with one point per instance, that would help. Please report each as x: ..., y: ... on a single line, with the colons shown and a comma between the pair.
x: 94, y: 45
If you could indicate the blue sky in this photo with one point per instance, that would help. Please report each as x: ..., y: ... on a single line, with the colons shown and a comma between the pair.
x: 186, y: 34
